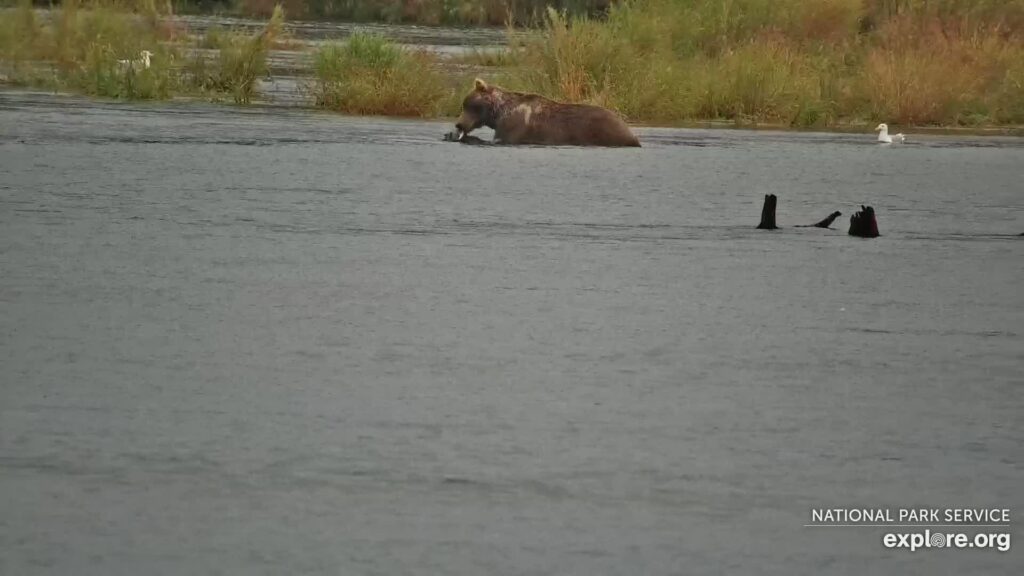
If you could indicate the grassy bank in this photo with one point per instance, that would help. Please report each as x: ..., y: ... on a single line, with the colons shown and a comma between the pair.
x: 81, y: 49
x: 796, y: 62
x: 369, y: 75
x: 96, y: 48
x: 781, y: 62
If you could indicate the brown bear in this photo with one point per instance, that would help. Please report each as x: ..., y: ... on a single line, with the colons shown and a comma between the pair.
x: 519, y: 118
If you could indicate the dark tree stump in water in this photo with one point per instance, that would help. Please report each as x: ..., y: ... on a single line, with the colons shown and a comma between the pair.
x: 768, y: 213
x: 863, y: 223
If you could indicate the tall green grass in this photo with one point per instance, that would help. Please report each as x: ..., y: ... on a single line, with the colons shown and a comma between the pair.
x: 370, y: 75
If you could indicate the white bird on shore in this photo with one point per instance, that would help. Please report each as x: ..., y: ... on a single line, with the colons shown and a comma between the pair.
x: 883, y: 135
x: 140, y: 63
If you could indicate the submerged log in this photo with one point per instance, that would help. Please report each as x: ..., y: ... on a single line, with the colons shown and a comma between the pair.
x: 863, y: 223
x: 828, y: 220
x: 768, y: 213
x: 824, y: 223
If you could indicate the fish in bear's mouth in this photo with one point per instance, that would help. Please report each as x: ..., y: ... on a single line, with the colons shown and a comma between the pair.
x: 463, y: 137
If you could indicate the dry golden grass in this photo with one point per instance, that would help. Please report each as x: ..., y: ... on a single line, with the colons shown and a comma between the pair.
x: 796, y: 62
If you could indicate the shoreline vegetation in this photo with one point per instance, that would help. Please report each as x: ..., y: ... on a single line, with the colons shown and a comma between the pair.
x: 94, y: 48
x: 779, y: 63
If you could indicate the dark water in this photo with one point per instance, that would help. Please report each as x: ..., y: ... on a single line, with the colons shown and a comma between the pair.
x: 431, y: 36
x: 440, y: 38
x: 278, y: 342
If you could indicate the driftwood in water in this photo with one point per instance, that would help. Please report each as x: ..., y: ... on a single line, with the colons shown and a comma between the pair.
x: 768, y: 213
x: 863, y: 223
x: 824, y: 223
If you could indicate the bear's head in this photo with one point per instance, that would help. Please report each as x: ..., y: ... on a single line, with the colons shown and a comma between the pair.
x: 480, y: 108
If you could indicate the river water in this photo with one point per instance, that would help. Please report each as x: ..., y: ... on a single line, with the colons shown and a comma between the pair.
x: 273, y: 341
x: 430, y: 37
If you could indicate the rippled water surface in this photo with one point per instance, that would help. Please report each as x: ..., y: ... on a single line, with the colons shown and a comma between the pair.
x: 248, y: 341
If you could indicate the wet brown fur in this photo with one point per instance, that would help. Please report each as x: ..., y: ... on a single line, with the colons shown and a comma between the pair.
x: 519, y: 118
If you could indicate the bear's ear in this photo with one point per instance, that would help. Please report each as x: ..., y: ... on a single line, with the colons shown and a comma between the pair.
x: 480, y: 85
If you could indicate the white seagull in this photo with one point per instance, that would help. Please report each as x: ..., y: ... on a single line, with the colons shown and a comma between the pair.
x: 883, y: 135
x: 140, y: 63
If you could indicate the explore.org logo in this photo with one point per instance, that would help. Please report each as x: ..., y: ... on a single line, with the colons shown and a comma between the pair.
x: 914, y: 541
x: 956, y: 528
